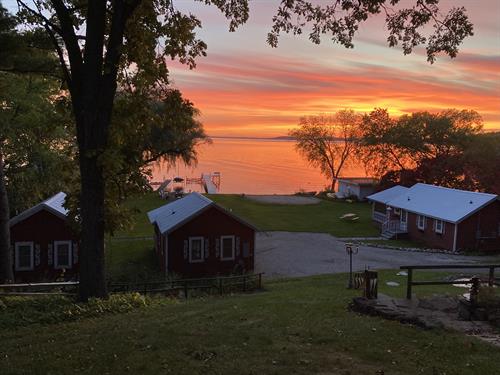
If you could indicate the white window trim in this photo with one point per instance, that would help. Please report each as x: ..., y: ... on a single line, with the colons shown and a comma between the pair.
x: 70, y: 255
x: 435, y: 226
x: 421, y: 227
x: 222, y: 247
x: 191, y: 239
x: 397, y: 211
x: 32, y: 263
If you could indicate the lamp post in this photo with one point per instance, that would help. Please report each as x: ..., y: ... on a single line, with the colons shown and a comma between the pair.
x: 350, y: 250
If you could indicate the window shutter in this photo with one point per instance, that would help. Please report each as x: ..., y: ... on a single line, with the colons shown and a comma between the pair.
x: 237, y: 246
x: 186, y: 247
x: 207, y: 248
x: 37, y: 255
x: 75, y: 252
x: 246, y: 249
x: 217, y: 248
x: 50, y: 255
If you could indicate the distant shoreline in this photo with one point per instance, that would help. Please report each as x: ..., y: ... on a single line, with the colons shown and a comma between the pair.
x: 280, y: 138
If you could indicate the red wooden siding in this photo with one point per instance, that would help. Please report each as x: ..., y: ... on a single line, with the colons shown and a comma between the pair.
x: 428, y: 235
x: 484, y: 224
x: 43, y: 228
x: 211, y: 225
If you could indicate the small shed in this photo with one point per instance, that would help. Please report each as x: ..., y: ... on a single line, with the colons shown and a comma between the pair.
x: 45, y: 248
x: 195, y: 237
x: 359, y: 187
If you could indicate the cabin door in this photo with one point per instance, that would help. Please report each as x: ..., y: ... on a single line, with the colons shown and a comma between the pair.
x: 403, y: 220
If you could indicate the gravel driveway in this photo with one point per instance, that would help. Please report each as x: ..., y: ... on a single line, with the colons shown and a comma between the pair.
x: 281, y: 254
x: 284, y: 199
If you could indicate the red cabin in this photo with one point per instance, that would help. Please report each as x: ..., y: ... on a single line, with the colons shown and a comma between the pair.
x: 451, y: 219
x: 44, y: 246
x: 195, y: 237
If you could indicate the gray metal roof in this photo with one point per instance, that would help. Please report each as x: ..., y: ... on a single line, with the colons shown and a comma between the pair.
x: 171, y: 215
x: 442, y: 203
x: 53, y: 204
x: 387, y: 195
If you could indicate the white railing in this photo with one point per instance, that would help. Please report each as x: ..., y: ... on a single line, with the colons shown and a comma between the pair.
x: 379, y: 216
x: 394, y: 226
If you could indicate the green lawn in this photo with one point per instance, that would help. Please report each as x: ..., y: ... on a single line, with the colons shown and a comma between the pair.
x: 323, y: 217
x: 295, y: 326
x: 132, y: 260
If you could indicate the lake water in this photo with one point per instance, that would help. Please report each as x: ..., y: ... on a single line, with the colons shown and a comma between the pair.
x: 253, y: 166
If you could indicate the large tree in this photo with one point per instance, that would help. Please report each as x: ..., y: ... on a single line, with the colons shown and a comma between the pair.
x: 421, y: 147
x: 328, y: 142
x: 103, y: 43
x: 33, y: 127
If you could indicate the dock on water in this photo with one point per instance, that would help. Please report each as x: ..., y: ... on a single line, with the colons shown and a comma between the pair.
x: 211, y: 182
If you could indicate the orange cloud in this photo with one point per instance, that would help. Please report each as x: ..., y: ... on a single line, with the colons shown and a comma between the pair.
x: 246, y: 95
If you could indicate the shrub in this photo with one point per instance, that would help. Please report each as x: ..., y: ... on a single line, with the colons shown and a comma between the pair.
x: 22, y: 311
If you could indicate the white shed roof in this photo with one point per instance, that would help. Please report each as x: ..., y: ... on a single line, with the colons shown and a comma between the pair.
x: 54, y: 205
x: 446, y: 204
x: 387, y: 195
x: 173, y: 214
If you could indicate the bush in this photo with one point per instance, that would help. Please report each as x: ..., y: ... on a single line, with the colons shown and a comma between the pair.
x: 22, y: 311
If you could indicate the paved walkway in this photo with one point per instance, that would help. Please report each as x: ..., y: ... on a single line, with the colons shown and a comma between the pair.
x: 284, y: 199
x: 282, y: 254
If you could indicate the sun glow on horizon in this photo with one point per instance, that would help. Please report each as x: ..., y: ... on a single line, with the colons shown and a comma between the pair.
x: 243, y: 87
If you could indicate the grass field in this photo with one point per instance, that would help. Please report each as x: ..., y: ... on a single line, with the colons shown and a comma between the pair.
x: 295, y: 326
x: 323, y: 217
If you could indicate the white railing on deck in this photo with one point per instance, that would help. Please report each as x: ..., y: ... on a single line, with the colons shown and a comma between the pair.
x: 379, y: 216
x: 394, y: 226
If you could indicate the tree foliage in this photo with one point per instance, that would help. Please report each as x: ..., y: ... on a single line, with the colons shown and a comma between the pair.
x: 407, y: 25
x: 34, y: 128
x: 421, y: 147
x: 328, y: 142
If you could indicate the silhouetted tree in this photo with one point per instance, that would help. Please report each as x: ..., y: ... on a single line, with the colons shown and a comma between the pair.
x: 421, y: 147
x: 328, y: 142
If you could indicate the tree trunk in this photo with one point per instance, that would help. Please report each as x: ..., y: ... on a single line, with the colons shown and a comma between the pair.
x: 92, y: 261
x: 6, y: 269
x: 332, y: 186
x: 93, y: 121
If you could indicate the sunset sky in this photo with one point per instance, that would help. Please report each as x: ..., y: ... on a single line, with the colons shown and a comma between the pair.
x: 244, y: 87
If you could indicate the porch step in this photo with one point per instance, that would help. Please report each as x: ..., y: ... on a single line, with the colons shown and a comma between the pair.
x: 388, y: 234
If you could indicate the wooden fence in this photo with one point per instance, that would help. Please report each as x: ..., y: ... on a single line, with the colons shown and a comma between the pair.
x: 410, y: 283
x: 36, y: 289
x: 210, y: 285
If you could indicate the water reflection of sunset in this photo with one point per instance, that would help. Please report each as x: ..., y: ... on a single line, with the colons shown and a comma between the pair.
x: 254, y: 167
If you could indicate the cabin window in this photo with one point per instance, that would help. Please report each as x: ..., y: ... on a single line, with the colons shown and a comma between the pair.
x: 196, y: 249
x: 421, y: 222
x: 227, y: 247
x: 62, y: 254
x: 439, y: 226
x: 24, y: 256
x: 397, y: 211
